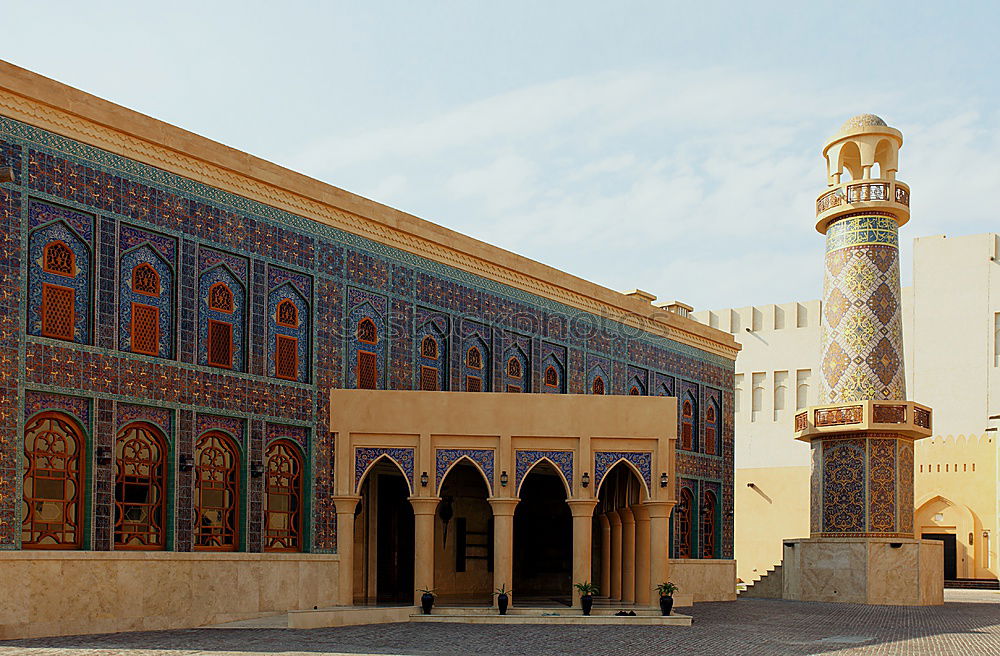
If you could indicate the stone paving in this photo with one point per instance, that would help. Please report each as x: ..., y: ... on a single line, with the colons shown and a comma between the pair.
x: 968, y: 624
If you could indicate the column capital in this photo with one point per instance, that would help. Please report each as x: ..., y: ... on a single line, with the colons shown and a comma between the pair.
x: 626, y: 515
x: 346, y: 503
x: 605, y: 523
x: 658, y: 509
x: 503, y: 505
x: 641, y: 512
x: 614, y: 518
x: 582, y: 507
x: 424, y: 505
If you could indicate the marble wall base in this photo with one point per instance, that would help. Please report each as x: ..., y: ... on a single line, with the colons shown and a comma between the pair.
x: 892, y: 572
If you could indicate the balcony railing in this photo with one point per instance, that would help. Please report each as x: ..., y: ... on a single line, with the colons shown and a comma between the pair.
x: 864, y: 191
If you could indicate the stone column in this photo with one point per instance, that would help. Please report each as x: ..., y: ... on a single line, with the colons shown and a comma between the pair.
x: 628, y: 555
x: 345, y: 547
x: 424, y: 509
x: 583, y: 521
x: 615, y: 589
x: 659, y: 537
x: 503, y: 543
x: 605, y: 583
x: 643, y: 587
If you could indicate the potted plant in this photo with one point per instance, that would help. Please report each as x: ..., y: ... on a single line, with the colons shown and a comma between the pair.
x: 587, y: 592
x: 503, y: 598
x: 666, y: 591
x: 426, y: 600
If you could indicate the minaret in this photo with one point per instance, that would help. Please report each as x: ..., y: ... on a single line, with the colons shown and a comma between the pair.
x: 862, y: 547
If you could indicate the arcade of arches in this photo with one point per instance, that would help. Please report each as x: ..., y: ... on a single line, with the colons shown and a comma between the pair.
x: 463, y: 494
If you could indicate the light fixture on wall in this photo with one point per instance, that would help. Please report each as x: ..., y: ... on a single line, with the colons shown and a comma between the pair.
x: 424, y: 479
x: 6, y: 174
x: 663, y: 479
x: 187, y: 463
x: 104, y: 455
x: 503, y: 478
x: 257, y: 469
x: 585, y: 479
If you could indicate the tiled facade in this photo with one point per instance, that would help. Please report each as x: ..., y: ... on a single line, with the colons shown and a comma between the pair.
x: 116, y: 214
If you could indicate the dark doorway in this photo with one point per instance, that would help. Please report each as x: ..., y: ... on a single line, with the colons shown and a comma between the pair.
x: 950, y: 573
x: 394, y: 541
x: 543, y: 538
x: 463, y: 563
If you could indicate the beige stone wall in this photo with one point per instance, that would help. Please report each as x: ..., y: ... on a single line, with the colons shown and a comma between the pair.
x: 776, y: 505
x: 707, y: 580
x: 70, y: 592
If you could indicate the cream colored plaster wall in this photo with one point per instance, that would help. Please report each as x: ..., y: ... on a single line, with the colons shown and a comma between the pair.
x: 707, y: 580
x: 777, y: 504
x: 72, y: 592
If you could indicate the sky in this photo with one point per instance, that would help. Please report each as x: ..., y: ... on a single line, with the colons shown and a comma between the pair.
x: 671, y: 147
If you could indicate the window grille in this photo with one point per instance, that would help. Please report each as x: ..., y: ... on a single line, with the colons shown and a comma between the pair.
x: 58, y: 313
x: 53, y: 464
x: 474, y: 358
x: 551, y: 377
x: 597, y: 387
x: 684, y: 510
x: 286, y: 357
x: 367, y: 332
x: 687, y: 427
x: 288, y: 314
x: 140, y: 484
x: 283, y: 498
x: 428, y: 379
x: 708, y: 526
x: 710, y: 431
x: 367, y: 373
x: 220, y: 298
x: 59, y: 258
x: 513, y: 388
x: 514, y: 368
x: 473, y: 384
x: 216, y: 494
x: 145, y: 280
x: 634, y: 391
x: 220, y: 344
x: 145, y: 329
x: 429, y: 348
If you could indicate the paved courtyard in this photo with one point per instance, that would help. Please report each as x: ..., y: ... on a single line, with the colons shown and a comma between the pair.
x: 968, y: 624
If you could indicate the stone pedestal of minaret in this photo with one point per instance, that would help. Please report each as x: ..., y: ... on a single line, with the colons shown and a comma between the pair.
x: 862, y: 547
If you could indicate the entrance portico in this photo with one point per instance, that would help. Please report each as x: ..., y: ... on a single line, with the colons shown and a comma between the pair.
x: 489, y: 472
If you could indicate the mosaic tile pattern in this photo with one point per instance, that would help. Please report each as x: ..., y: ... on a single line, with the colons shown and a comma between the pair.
x: 481, y: 458
x: 525, y: 459
x: 35, y: 402
x: 862, y: 326
x: 365, y: 457
x: 605, y: 460
x: 235, y: 427
x: 297, y: 434
x: 163, y: 418
x: 132, y: 257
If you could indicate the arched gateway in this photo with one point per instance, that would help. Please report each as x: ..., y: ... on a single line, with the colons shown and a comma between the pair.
x: 466, y: 493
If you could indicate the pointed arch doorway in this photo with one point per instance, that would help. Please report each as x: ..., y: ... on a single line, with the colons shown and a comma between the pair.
x: 621, y: 564
x: 543, y: 539
x: 384, y: 537
x: 463, y: 540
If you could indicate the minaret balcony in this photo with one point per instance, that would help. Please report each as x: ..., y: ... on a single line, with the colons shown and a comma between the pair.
x: 863, y: 195
x: 901, y: 417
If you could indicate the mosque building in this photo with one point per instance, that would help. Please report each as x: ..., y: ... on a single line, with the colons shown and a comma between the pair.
x: 225, y: 394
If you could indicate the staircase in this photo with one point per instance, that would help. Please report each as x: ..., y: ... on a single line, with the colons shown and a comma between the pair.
x: 769, y: 586
x: 973, y: 584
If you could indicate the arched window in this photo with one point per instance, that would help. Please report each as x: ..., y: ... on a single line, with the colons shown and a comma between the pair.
x: 287, y: 314
x: 216, y: 493
x: 53, y: 462
x: 682, y: 523
x: 145, y: 280
x: 58, y: 258
x: 634, y: 391
x: 551, y: 377
x: 220, y: 298
x: 687, y: 425
x: 710, y: 429
x: 474, y: 358
x: 140, y: 488
x: 283, y: 497
x: 429, y: 348
x: 708, y: 525
x: 597, y: 387
x: 367, y: 332
x: 514, y: 368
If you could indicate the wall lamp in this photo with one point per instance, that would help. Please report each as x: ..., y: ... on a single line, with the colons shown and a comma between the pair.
x: 187, y: 462
x: 503, y: 478
x: 104, y: 455
x: 6, y: 174
x: 585, y: 479
x: 664, y: 479
x: 424, y: 479
x: 257, y: 469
